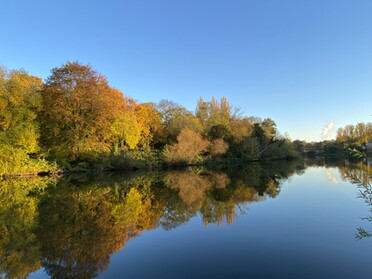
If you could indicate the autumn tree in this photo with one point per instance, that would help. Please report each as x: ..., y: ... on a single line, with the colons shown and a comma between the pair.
x: 20, y: 102
x: 151, y: 124
x: 355, y: 134
x: 126, y: 129
x: 202, y: 111
x: 175, y: 118
x: 240, y: 129
x: 79, y: 109
x: 214, y: 113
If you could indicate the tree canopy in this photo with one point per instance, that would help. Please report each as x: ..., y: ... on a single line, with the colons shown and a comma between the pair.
x: 75, y: 118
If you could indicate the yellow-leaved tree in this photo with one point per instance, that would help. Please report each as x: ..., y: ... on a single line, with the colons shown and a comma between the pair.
x: 20, y: 103
x: 126, y: 130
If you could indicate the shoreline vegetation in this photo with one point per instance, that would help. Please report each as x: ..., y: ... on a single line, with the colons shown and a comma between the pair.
x: 76, y: 122
x: 353, y: 142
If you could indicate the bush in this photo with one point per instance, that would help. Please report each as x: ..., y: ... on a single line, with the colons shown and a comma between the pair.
x: 218, y: 147
x: 190, y: 145
x: 281, y: 150
x: 249, y: 149
x: 125, y: 160
x: 15, y: 161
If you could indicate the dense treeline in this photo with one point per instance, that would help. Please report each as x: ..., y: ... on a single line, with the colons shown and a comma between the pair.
x: 76, y: 120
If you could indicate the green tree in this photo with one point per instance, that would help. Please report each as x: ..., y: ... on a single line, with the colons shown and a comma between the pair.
x: 175, y: 118
x: 214, y: 113
x: 269, y: 126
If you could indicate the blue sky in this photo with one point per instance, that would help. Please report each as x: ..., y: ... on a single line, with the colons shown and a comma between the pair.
x: 305, y: 64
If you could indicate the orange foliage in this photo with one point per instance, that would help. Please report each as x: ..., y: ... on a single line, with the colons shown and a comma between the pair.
x: 218, y: 147
x: 79, y: 107
x: 186, y: 151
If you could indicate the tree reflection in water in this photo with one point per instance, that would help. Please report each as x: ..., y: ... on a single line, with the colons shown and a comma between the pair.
x: 361, y: 174
x: 72, y: 226
x: 19, y: 248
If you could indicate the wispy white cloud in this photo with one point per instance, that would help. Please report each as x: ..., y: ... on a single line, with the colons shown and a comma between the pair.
x: 326, y: 130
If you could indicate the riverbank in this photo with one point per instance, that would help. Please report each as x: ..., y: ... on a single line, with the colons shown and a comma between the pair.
x: 129, y: 161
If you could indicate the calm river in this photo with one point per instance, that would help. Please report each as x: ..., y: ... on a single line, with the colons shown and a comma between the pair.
x: 286, y: 220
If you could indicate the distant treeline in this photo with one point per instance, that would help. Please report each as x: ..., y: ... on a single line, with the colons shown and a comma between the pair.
x: 352, y: 141
x: 76, y: 121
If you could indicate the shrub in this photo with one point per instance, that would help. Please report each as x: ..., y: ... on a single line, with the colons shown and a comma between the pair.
x: 249, y: 149
x: 218, y: 147
x: 15, y: 161
x: 190, y: 145
x: 281, y: 149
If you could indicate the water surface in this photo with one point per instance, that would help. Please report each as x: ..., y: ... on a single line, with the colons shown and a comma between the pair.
x: 285, y: 220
